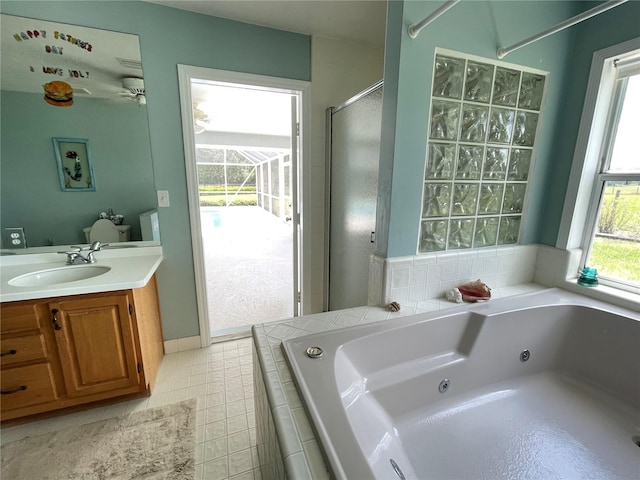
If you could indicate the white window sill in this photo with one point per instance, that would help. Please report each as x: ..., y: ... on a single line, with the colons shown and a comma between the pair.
x: 604, y: 293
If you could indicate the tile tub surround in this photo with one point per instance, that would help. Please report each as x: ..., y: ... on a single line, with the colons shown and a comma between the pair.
x: 281, y: 404
x: 427, y: 277
x: 266, y: 438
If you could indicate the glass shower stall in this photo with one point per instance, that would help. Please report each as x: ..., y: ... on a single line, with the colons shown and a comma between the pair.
x: 353, y: 150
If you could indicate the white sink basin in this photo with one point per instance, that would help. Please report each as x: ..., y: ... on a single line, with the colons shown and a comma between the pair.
x: 53, y: 276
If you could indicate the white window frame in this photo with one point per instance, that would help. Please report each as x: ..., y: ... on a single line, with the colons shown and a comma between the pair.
x: 605, y: 175
x: 587, y: 173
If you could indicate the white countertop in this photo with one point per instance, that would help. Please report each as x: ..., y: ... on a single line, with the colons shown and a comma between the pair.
x: 130, y: 268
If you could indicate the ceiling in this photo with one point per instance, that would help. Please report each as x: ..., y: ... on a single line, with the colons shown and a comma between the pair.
x: 361, y: 21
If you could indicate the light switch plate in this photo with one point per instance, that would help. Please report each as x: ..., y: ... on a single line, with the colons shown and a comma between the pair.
x: 163, y: 198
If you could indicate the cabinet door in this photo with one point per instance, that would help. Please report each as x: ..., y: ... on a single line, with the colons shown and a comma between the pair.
x: 96, y: 344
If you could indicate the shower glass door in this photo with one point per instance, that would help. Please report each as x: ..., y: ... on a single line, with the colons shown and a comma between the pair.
x: 355, y: 149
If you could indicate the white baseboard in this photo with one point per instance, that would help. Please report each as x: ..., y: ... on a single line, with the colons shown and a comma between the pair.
x: 182, y: 344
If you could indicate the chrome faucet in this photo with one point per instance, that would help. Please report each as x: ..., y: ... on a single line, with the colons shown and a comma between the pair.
x: 75, y: 257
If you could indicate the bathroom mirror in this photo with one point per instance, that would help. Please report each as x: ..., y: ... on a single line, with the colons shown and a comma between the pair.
x: 106, y: 106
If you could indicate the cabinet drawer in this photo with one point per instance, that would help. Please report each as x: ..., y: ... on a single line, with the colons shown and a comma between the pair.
x: 22, y: 349
x: 19, y: 317
x: 24, y: 386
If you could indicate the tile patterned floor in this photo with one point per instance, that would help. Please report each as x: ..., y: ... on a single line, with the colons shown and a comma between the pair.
x: 221, y: 377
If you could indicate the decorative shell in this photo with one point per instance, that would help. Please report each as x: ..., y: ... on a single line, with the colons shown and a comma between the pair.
x: 393, y: 307
x: 454, y: 295
x: 475, y: 291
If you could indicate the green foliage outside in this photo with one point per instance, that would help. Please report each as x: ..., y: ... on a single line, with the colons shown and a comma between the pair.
x: 231, y: 188
x: 220, y: 201
x: 619, y: 216
x: 615, y: 258
x: 620, y: 213
x: 215, y: 175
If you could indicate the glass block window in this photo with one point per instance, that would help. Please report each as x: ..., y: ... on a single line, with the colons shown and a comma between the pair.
x: 482, y: 131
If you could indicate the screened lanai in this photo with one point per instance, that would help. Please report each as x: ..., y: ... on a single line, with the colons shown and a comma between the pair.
x: 242, y: 176
x: 245, y: 211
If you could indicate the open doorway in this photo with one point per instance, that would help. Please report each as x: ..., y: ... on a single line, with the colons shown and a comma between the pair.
x: 247, y: 237
x: 243, y: 167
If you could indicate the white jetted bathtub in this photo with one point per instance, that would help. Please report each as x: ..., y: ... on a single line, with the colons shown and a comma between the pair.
x: 538, y: 386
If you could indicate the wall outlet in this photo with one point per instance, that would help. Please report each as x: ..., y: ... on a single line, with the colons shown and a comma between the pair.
x: 163, y: 198
x: 14, y: 238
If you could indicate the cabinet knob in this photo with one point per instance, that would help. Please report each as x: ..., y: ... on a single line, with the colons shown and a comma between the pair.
x: 54, y: 319
x: 10, y: 352
x: 15, y: 390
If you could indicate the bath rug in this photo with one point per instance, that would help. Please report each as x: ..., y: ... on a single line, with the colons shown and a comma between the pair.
x: 153, y: 444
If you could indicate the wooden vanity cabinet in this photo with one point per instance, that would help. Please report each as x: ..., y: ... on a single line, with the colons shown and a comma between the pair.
x: 67, y: 351
x: 30, y: 374
x: 96, y: 344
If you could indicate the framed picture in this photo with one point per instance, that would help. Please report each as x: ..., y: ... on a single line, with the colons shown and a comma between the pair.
x: 74, y: 164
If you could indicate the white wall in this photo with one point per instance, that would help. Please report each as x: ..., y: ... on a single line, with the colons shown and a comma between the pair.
x: 339, y: 70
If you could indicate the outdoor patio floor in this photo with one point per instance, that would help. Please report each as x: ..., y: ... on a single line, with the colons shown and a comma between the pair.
x: 248, y: 259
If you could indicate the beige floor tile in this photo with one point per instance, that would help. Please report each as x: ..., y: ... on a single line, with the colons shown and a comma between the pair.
x: 243, y: 476
x: 215, y: 448
x: 256, y: 474
x: 237, y: 424
x: 215, y: 399
x: 199, y: 472
x: 220, y: 377
x: 200, y: 368
x: 229, y: 354
x: 240, y: 462
x: 199, y: 453
x: 233, y: 394
x: 235, y: 408
x: 239, y: 441
x: 217, y: 469
x: 226, y: 346
x: 215, y: 414
x: 215, y: 430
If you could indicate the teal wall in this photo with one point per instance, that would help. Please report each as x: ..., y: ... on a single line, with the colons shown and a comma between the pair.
x: 613, y: 27
x: 393, y: 49
x: 169, y: 37
x: 31, y: 196
x: 478, y: 28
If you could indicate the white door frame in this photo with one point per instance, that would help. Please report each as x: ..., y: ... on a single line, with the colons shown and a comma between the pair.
x: 185, y: 74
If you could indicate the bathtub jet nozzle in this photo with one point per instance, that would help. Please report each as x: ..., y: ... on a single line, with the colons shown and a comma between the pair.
x: 444, y: 385
x: 396, y: 469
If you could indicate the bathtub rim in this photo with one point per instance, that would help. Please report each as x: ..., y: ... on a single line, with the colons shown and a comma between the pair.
x: 292, y: 347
